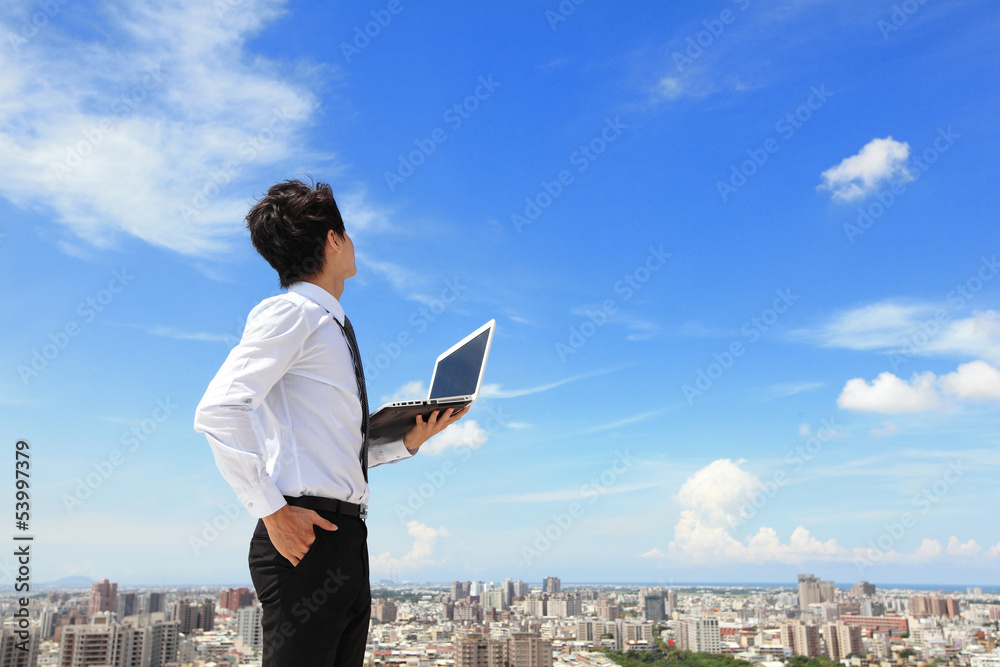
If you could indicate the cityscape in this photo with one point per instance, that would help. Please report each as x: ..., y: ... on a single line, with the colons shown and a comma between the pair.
x: 514, y: 623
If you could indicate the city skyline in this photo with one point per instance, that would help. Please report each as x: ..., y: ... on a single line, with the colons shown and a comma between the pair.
x: 741, y: 256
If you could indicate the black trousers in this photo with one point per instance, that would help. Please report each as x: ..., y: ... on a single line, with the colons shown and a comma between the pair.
x: 315, y: 613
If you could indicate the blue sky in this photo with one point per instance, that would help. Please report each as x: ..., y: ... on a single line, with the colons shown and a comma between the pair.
x: 742, y: 257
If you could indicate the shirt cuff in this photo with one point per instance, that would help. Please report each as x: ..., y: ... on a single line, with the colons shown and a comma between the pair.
x: 388, y: 452
x: 262, y: 500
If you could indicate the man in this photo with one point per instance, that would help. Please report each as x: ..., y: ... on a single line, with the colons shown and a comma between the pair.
x: 286, y: 417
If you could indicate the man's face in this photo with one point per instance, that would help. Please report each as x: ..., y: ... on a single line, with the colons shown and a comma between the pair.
x: 343, y: 255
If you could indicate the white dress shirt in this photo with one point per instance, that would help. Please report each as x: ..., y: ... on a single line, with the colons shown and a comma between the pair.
x: 283, y: 414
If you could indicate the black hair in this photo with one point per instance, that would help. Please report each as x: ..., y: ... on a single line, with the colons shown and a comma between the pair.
x: 289, y: 227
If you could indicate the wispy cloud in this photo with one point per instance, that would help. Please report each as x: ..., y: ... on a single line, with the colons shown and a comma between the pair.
x: 564, y: 495
x: 909, y: 328
x: 177, y: 334
x: 618, y: 423
x: 787, y: 389
x: 494, y: 390
x: 156, y: 133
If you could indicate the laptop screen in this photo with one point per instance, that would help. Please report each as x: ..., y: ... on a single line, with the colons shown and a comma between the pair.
x: 458, y: 373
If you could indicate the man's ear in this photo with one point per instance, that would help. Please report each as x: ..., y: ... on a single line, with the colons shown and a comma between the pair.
x: 334, y: 240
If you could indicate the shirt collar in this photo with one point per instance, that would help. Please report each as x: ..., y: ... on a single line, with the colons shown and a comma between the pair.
x: 321, y: 296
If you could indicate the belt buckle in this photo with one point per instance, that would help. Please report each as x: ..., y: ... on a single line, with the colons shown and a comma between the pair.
x: 364, y: 512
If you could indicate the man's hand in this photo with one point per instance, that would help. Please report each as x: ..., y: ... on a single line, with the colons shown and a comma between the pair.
x: 291, y: 531
x: 422, y: 431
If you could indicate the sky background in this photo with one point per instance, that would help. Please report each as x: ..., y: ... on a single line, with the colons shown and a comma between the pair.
x: 741, y: 254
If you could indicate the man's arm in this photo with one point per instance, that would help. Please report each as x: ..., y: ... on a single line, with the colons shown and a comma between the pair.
x: 422, y: 431
x: 271, y: 343
x: 393, y: 451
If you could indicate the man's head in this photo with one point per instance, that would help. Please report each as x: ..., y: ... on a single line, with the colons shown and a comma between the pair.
x: 290, y: 228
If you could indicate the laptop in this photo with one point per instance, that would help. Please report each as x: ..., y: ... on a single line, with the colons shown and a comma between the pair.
x: 457, y: 378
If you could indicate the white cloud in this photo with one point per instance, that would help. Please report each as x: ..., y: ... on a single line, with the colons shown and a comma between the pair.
x: 976, y: 380
x: 717, y: 490
x: 804, y: 430
x: 463, y: 434
x: 711, y: 498
x: 886, y: 430
x: 653, y: 553
x: 889, y: 394
x: 957, y: 548
x: 879, y: 160
x: 415, y: 390
x: 156, y: 133
x: 421, y: 554
x: 928, y: 550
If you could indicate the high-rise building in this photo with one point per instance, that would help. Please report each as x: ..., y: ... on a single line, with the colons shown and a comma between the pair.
x: 849, y: 640
x: 699, y: 635
x: 565, y: 604
x: 831, y: 642
x: 235, y: 599
x: 827, y: 591
x: 608, y: 610
x: 671, y: 603
x: 164, y: 639
x: 384, y: 610
x: 125, y: 605
x: 520, y: 589
x: 808, y: 591
x: 46, y: 623
x: 248, y: 626
x: 468, y: 612
x: 194, y: 615
x: 630, y: 632
x: 493, y: 598
x: 131, y: 646
x: 15, y: 651
x: 152, y: 603
x: 521, y: 649
x: 801, y: 638
x: 147, y: 640
x: 551, y: 585
x: 863, y: 589
x: 460, y: 590
x: 475, y: 650
x: 102, y: 596
x: 524, y: 649
x: 83, y: 645
x: 923, y: 605
x: 537, y: 604
x: 652, y: 605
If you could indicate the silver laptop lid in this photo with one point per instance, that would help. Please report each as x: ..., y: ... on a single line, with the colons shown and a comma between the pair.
x: 459, y: 370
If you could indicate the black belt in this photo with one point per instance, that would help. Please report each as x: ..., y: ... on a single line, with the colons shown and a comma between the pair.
x: 329, y: 505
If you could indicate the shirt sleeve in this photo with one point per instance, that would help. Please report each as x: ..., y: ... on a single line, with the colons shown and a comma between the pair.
x: 387, y: 451
x: 272, y: 341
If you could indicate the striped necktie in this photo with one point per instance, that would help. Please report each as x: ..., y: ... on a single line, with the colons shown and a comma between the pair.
x: 359, y: 373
